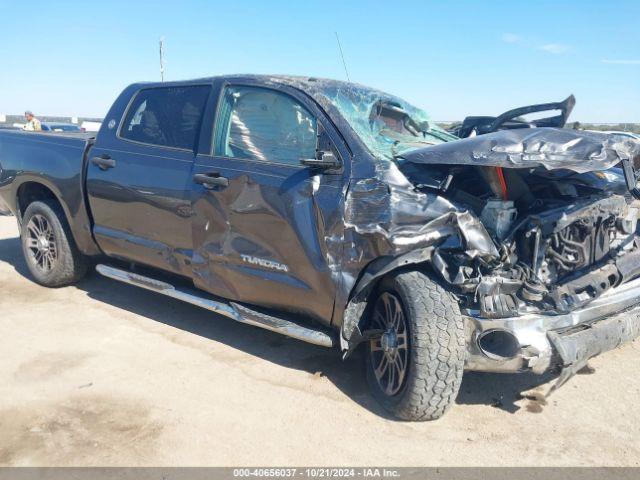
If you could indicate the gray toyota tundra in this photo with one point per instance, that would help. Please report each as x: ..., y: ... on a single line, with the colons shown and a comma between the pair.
x: 342, y: 216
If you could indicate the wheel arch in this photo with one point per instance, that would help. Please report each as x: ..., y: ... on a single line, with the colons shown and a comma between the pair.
x: 33, y: 188
x: 31, y: 191
x: 354, y: 318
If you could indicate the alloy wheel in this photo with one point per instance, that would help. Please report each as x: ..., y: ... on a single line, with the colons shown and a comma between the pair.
x: 41, y: 243
x: 390, y: 351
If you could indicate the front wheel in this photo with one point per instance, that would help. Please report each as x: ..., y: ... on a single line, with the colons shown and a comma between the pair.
x: 415, y: 367
x: 48, y: 247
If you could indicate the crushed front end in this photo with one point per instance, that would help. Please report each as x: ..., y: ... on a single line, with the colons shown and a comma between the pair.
x: 561, y: 268
x: 562, y: 210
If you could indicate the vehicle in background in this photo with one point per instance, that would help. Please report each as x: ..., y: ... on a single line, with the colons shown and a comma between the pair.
x: 60, y: 127
x: 89, y: 126
x: 623, y: 134
x: 340, y: 215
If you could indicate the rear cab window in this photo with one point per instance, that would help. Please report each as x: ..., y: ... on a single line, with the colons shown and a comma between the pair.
x: 166, y: 116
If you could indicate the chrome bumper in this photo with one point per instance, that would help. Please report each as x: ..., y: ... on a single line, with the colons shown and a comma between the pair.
x: 540, y: 337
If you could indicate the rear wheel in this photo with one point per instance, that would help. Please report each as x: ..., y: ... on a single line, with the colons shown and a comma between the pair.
x: 51, y: 255
x: 415, y: 367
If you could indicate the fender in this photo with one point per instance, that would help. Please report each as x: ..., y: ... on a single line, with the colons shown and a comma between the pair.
x: 351, y: 334
x: 77, y: 217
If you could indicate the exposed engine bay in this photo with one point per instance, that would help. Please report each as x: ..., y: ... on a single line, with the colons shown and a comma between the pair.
x: 564, y: 237
x: 531, y: 226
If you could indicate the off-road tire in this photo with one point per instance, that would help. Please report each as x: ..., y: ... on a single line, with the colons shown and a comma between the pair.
x: 69, y: 265
x: 437, y: 348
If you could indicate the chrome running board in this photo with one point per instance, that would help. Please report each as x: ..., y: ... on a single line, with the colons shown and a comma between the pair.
x: 239, y: 313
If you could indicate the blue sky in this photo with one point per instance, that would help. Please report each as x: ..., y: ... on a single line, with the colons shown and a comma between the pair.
x: 451, y: 58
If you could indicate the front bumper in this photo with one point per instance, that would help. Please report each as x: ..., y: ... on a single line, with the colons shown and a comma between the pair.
x: 566, y: 341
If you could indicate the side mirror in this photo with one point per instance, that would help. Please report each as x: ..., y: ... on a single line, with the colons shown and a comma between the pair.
x: 326, y: 160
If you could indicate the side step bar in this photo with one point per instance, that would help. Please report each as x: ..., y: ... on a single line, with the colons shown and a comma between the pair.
x: 232, y: 310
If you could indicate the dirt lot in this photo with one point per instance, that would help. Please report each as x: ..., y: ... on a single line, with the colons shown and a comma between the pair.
x: 107, y: 374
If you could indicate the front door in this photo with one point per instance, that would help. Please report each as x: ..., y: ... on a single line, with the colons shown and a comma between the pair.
x: 267, y: 231
x: 139, y: 178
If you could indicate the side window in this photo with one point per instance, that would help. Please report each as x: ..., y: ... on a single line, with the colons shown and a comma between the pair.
x: 264, y: 125
x: 166, y: 116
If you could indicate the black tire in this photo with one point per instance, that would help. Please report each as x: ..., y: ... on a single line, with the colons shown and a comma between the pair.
x: 435, y: 348
x: 48, y: 247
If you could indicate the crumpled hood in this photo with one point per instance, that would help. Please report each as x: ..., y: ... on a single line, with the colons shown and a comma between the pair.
x: 551, y: 148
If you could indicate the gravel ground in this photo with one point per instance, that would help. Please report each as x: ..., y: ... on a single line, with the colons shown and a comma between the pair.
x: 107, y: 374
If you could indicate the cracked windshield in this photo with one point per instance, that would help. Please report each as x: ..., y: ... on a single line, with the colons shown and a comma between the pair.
x: 388, y: 125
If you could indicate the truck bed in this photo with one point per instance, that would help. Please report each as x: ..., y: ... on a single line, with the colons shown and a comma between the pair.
x: 53, y: 160
x: 22, y: 133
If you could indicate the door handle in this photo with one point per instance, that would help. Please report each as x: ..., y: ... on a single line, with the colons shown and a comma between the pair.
x: 104, y: 162
x: 210, y: 180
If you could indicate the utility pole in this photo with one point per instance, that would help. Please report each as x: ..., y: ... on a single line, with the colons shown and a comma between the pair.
x: 162, y: 59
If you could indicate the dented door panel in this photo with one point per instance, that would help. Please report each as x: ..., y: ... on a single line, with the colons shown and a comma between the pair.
x: 266, y: 238
x: 271, y: 234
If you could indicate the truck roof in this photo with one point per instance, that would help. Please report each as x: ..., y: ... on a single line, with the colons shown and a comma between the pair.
x: 292, y: 80
x: 312, y: 86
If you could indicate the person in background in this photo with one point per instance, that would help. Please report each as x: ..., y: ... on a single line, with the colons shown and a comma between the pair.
x: 33, y: 124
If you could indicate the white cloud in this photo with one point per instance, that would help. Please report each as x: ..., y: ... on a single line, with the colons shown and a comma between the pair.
x: 554, y: 48
x: 621, y: 62
x: 510, y: 38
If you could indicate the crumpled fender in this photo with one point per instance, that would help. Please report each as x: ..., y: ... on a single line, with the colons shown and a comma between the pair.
x: 457, y: 228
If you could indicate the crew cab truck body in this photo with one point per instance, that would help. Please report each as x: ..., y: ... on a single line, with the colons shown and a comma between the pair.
x: 339, y: 215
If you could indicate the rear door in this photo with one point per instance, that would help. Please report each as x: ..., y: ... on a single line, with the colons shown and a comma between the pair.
x: 139, y: 178
x: 267, y: 231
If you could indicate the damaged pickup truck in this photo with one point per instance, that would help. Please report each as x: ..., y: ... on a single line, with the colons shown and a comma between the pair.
x: 340, y: 215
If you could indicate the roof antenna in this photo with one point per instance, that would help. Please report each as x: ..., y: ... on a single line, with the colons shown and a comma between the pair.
x: 342, y: 55
x: 162, y: 59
